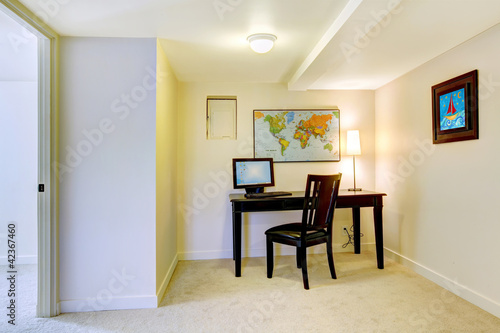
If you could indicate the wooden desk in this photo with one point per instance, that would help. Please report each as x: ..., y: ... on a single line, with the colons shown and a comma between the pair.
x: 346, y: 199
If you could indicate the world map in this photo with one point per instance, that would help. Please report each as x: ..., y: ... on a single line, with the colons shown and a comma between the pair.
x: 297, y: 135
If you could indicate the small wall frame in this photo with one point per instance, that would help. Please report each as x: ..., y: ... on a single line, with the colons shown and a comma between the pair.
x: 455, y: 109
x: 221, y: 118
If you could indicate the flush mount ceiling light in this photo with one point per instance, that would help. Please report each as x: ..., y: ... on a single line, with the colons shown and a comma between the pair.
x: 261, y: 43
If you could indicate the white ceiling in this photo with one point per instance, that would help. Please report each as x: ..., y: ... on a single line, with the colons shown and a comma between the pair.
x: 322, y: 44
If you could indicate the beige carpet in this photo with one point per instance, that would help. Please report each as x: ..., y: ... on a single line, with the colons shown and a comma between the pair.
x: 204, y: 296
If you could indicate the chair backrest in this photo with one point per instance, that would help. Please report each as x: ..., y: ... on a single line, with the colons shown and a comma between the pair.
x: 320, y: 198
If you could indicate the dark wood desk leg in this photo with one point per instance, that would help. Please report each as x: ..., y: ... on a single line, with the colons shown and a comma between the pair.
x: 379, y: 234
x: 356, y: 226
x: 234, y: 240
x: 237, y: 243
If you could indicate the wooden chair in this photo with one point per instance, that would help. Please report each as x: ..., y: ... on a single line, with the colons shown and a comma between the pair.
x: 316, y: 226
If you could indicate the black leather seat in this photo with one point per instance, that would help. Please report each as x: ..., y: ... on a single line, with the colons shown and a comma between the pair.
x: 315, y: 228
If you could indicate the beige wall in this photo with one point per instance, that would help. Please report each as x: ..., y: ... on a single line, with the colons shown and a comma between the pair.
x: 442, y: 212
x: 442, y: 224
x: 166, y: 172
x: 204, y: 229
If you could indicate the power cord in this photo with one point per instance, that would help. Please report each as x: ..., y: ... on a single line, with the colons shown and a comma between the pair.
x: 351, y: 238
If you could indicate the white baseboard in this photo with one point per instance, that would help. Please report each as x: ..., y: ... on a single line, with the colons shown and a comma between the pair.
x: 458, y: 289
x: 21, y: 260
x: 255, y: 253
x: 166, y: 280
x: 106, y: 304
x: 206, y: 255
x: 120, y: 303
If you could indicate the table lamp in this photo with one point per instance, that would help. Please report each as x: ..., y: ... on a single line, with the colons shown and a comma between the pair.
x: 353, y: 148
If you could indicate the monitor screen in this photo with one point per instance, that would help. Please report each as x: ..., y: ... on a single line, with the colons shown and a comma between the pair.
x: 253, y: 174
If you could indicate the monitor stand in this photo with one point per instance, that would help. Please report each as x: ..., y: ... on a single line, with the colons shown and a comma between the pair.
x: 254, y: 190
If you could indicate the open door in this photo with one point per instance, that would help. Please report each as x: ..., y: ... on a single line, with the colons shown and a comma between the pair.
x: 48, y: 266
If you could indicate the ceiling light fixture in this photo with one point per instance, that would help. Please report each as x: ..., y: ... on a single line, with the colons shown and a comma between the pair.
x: 261, y: 43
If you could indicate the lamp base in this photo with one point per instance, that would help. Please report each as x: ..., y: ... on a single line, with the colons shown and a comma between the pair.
x: 355, y: 189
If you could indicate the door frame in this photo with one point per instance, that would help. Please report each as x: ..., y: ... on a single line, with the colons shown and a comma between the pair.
x: 48, y: 153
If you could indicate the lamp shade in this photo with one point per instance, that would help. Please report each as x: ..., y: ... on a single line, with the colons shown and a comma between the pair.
x: 261, y: 43
x: 352, y: 144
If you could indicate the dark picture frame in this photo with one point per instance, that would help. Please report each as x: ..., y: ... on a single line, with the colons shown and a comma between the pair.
x: 455, y: 109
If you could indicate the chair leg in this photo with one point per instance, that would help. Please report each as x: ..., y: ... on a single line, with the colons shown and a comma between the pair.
x: 303, y: 263
x: 298, y: 258
x: 270, y: 256
x: 329, y: 252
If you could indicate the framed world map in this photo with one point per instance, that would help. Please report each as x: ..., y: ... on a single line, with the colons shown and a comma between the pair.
x: 297, y: 135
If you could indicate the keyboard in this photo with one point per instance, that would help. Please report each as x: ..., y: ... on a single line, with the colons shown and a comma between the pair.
x: 266, y: 194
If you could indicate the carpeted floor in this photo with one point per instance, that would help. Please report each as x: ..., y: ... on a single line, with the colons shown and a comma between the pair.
x: 204, y: 296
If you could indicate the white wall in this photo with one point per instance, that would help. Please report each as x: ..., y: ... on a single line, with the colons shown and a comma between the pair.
x: 18, y: 137
x: 166, y: 172
x: 19, y: 58
x: 108, y: 176
x: 204, y: 229
x: 442, y: 212
x: 19, y: 166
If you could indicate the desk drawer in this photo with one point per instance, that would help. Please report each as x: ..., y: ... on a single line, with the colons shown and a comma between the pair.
x: 258, y: 206
x: 294, y: 204
x: 268, y: 205
x: 359, y: 201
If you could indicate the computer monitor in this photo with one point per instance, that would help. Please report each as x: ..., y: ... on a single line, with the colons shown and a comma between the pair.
x: 253, y: 174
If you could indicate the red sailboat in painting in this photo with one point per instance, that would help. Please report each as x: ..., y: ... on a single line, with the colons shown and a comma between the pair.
x: 452, y: 112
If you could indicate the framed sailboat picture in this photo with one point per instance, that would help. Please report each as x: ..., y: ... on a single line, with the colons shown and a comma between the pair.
x: 455, y: 109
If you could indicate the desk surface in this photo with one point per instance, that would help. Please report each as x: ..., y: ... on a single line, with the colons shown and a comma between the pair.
x: 300, y: 194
